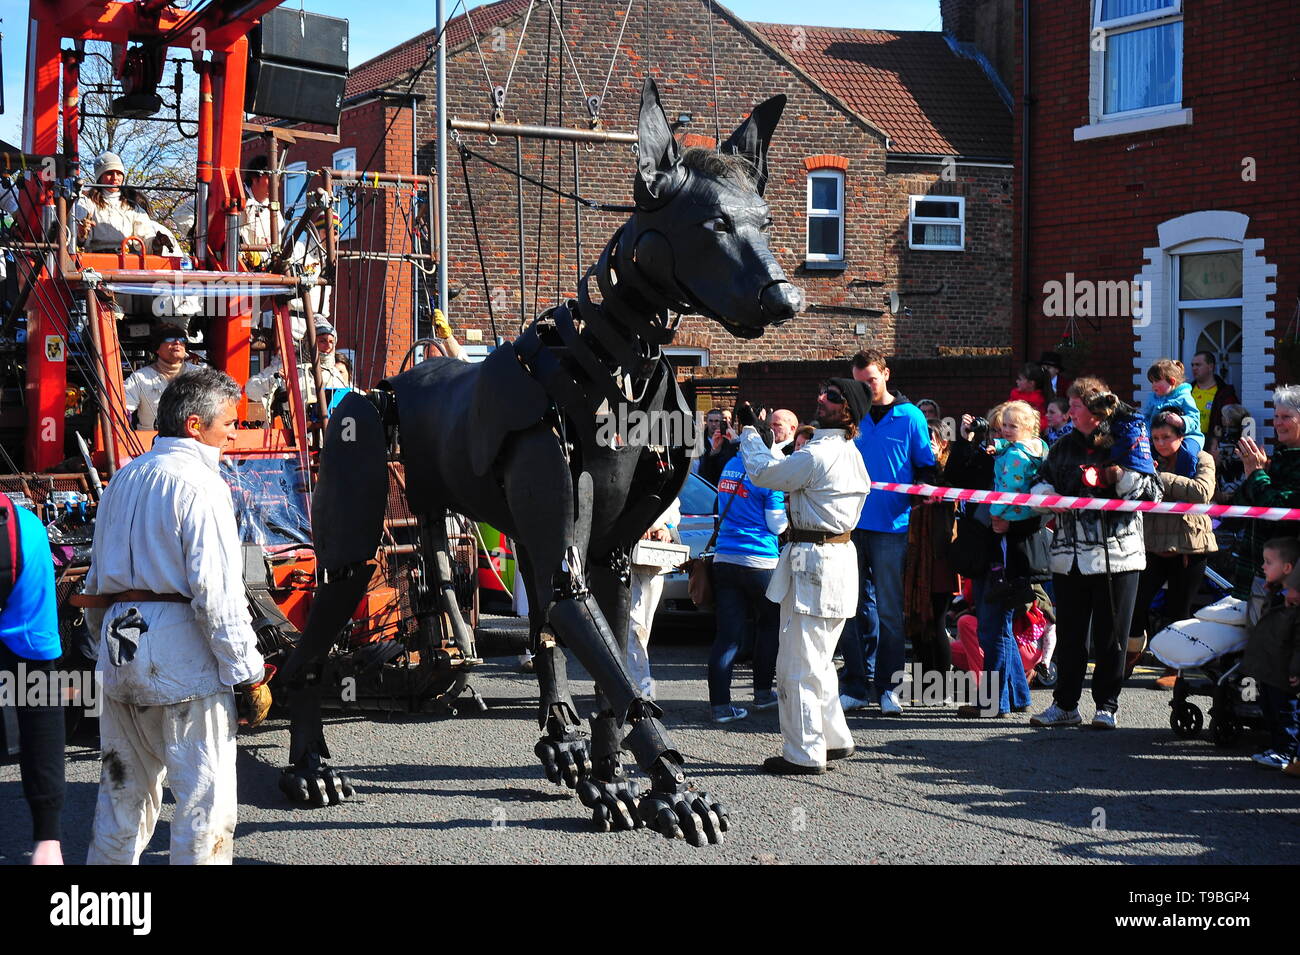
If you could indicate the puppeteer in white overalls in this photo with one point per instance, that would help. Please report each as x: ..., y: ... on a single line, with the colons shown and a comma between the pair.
x: 816, y: 578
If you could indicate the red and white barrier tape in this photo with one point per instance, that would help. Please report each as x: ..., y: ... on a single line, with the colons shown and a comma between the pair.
x: 1089, y: 503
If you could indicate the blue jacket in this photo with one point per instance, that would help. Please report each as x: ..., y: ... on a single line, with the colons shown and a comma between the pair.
x: 1181, y: 401
x: 29, y: 623
x: 892, y: 449
x: 744, y: 530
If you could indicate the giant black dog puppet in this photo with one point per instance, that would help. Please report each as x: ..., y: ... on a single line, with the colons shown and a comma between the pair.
x: 516, y: 441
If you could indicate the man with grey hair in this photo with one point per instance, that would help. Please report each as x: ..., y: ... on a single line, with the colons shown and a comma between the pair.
x: 165, y: 595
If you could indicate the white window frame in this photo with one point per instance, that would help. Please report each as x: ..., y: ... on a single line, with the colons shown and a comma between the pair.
x: 1134, y: 120
x: 293, y: 210
x: 913, y: 220
x: 347, y: 224
x: 684, y: 351
x: 810, y: 213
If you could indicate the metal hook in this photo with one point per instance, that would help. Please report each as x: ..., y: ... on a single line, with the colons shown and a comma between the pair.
x: 492, y: 139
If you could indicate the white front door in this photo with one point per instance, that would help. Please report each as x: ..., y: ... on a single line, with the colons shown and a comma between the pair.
x: 1217, y: 331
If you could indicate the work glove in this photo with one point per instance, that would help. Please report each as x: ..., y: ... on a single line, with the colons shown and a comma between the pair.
x: 253, y: 699
x: 441, y: 327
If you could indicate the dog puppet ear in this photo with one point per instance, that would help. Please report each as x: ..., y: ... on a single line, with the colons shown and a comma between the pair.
x: 752, y: 137
x: 658, y: 158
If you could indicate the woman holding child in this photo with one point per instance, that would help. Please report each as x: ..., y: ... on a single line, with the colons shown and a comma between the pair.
x: 1096, y: 556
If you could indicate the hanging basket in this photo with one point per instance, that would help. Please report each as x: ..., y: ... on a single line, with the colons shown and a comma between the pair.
x: 1074, y: 355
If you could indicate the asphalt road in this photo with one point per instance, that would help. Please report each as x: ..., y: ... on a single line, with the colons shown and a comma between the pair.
x: 923, y: 788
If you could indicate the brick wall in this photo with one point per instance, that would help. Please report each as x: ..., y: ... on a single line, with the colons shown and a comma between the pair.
x: 670, y: 41
x: 1094, y: 206
x: 960, y: 300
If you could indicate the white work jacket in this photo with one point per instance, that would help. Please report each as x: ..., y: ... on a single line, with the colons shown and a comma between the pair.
x: 143, y: 390
x: 255, y: 223
x: 826, y: 485
x: 166, y: 524
x: 115, y: 221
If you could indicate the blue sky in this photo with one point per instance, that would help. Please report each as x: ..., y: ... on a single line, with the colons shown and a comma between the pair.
x: 371, y: 35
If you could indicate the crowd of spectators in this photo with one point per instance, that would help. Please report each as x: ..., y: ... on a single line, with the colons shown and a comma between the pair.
x: 1014, y: 594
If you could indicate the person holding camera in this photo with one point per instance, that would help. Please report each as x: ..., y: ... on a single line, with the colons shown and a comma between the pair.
x: 1017, y: 456
x: 1096, y: 556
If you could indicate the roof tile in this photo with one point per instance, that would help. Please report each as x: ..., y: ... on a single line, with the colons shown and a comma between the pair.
x: 910, y: 84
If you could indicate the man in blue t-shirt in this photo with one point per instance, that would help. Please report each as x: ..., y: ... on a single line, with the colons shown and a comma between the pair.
x: 29, y: 638
x: 895, y: 443
x: 746, y: 554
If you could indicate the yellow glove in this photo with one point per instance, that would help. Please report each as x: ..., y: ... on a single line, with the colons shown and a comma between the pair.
x: 441, y: 327
x: 253, y: 699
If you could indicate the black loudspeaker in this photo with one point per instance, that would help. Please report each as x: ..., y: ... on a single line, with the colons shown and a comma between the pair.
x: 286, y: 91
x: 307, y: 39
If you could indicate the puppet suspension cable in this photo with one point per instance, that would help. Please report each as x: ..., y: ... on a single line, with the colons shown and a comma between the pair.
x: 478, y: 239
x: 613, y: 56
x: 541, y: 206
x: 589, y: 203
x: 713, y: 82
x: 505, y: 90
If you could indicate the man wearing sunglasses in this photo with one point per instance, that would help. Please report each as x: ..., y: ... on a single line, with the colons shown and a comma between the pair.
x: 144, y: 387
x: 816, y: 576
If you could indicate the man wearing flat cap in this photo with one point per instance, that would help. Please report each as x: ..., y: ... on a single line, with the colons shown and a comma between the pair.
x: 816, y: 577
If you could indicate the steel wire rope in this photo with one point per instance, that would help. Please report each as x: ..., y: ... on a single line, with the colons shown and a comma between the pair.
x: 367, y: 340
x: 713, y: 81
x: 505, y: 91
x: 401, y: 272
x: 478, y: 241
x: 613, y: 56
x: 589, y: 203
x: 378, y: 226
x: 473, y: 32
x: 541, y: 200
x: 582, y: 89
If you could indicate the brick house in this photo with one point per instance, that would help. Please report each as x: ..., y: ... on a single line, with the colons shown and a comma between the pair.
x: 1155, y: 145
x: 890, y: 173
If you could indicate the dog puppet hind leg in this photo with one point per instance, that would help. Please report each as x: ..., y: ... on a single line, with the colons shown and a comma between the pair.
x: 347, y: 521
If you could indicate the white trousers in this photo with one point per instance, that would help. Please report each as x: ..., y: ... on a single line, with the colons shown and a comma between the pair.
x: 647, y: 589
x: 192, y: 747
x: 807, y: 686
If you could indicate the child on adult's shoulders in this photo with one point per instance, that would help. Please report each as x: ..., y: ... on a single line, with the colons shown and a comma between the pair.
x: 1171, y: 392
x: 1272, y: 657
